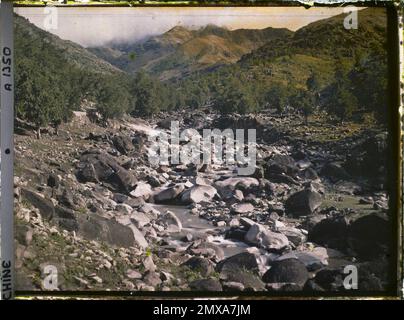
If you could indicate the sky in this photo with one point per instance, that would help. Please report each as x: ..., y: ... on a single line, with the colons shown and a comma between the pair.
x: 99, y: 26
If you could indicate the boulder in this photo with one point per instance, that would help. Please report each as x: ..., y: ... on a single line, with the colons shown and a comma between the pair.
x: 204, y: 285
x: 287, y: 271
x: 169, y: 194
x: 331, y: 232
x: 303, y: 203
x: 44, y: 205
x: 198, y: 194
x: 139, y: 219
x: 370, y: 236
x: 237, y: 183
x: 294, y: 235
x: 242, y: 261
x: 334, y: 172
x: 123, y: 144
x: 280, y: 165
x: 96, y: 167
x: 142, y: 189
x: 200, y: 265
x: 170, y: 222
x: 263, y: 237
x: 94, y: 227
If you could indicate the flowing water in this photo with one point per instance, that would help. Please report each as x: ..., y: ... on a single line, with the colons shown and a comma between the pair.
x: 200, y: 228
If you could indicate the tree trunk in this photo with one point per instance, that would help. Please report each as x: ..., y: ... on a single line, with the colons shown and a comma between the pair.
x: 38, y: 133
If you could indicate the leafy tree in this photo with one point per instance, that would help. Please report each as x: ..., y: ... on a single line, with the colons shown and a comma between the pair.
x: 277, y: 97
x: 369, y: 81
x: 341, y: 101
x: 145, y: 95
x: 304, y: 101
x: 112, y: 100
x: 235, y: 97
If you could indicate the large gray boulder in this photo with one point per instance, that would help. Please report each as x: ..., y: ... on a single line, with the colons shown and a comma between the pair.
x: 265, y: 238
x: 303, y: 203
x: 96, y: 167
x: 169, y: 194
x: 198, y: 194
x: 124, y: 234
x: 236, y: 183
x: 170, y: 222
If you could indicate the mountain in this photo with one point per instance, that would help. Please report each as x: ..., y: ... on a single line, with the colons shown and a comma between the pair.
x: 180, y: 51
x: 317, y: 48
x: 29, y: 36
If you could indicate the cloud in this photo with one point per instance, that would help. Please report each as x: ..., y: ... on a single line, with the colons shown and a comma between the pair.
x: 100, y: 26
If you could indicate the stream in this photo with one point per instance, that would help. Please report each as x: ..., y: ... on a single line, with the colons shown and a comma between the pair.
x: 200, y: 228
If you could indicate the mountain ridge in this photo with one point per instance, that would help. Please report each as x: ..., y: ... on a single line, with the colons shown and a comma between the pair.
x: 181, y: 51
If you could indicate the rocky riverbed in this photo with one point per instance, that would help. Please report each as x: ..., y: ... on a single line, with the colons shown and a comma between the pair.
x: 89, y: 203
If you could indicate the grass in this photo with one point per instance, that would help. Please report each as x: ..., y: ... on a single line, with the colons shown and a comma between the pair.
x: 347, y: 202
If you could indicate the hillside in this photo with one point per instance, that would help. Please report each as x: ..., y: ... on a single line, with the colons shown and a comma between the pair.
x: 27, y: 36
x: 180, y: 51
x: 314, y: 51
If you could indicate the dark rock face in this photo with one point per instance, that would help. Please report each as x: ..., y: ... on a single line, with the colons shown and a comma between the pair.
x: 101, y: 167
x: 206, y: 285
x: 201, y: 265
x: 303, y: 203
x: 44, y: 205
x: 287, y: 271
x: 370, y: 235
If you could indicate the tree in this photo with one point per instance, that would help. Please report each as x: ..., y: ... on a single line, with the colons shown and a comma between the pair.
x: 234, y: 97
x: 145, y: 95
x: 276, y: 97
x: 342, y: 102
x: 112, y: 100
x: 369, y: 81
x: 304, y: 101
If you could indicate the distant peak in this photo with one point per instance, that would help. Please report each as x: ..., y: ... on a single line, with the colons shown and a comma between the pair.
x: 178, y: 28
